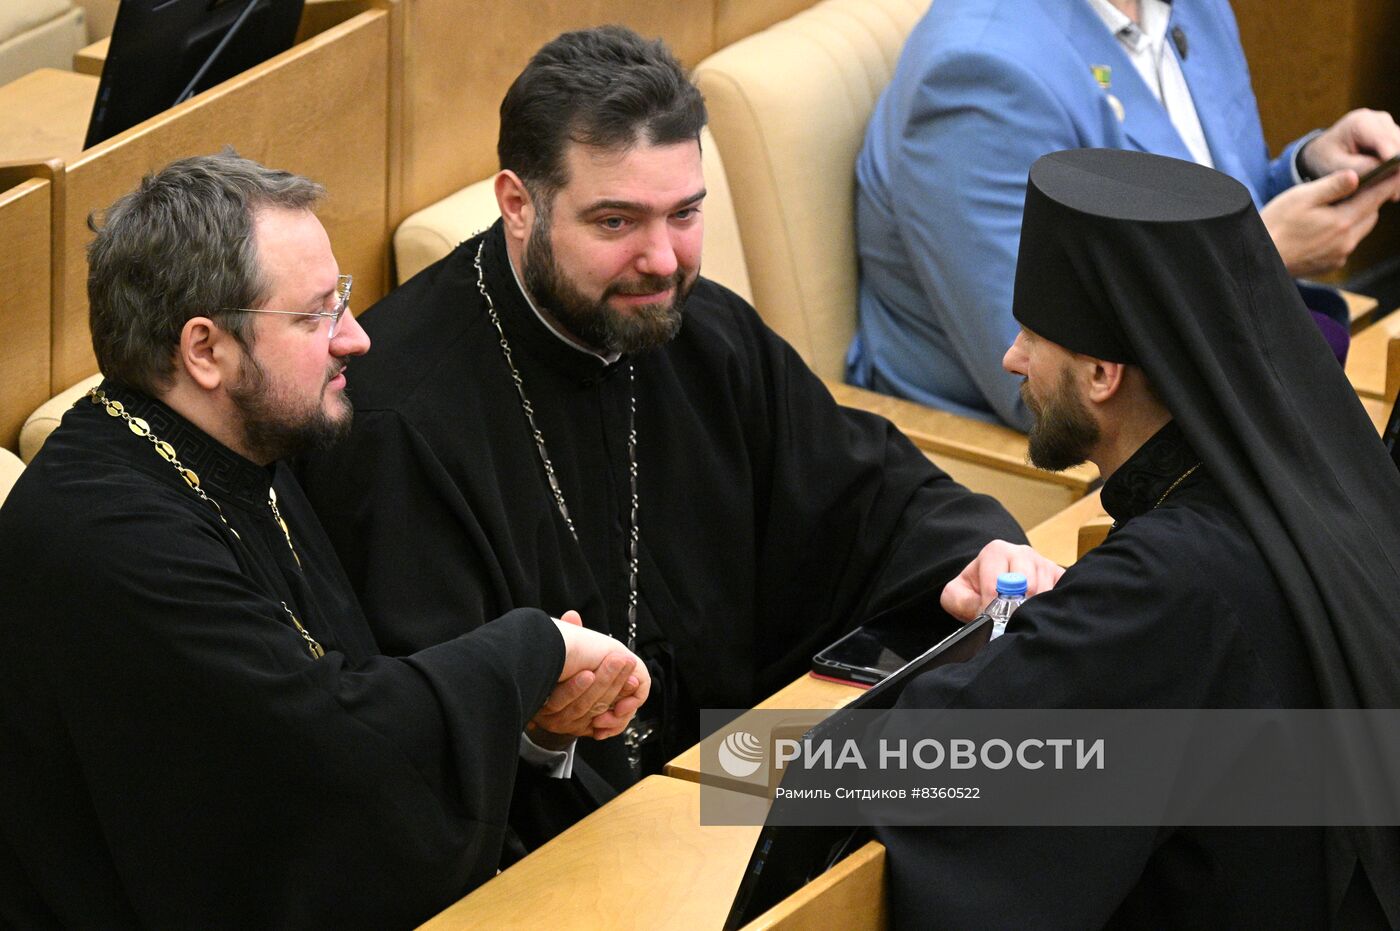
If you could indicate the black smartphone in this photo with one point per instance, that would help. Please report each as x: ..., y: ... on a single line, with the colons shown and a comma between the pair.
x: 1378, y: 174
x: 869, y: 653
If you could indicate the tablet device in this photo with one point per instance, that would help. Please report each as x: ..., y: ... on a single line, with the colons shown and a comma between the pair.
x: 787, y: 857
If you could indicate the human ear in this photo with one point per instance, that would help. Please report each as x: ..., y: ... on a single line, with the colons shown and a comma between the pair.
x: 1105, y: 379
x: 516, y: 206
x: 207, y: 353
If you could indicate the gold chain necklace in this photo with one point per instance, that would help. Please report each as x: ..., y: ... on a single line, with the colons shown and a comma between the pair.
x: 1171, y: 488
x: 114, y: 408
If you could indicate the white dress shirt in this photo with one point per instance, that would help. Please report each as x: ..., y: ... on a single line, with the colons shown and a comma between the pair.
x: 1155, y: 59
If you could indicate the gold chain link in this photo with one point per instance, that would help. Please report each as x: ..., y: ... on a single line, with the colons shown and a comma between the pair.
x: 115, y: 408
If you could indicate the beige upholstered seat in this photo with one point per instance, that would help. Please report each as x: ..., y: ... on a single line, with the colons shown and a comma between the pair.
x: 788, y: 107
x: 38, y: 34
x: 42, y: 422
x: 10, y: 468
x: 434, y: 231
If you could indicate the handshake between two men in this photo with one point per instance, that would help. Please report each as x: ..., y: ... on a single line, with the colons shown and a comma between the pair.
x: 600, y: 688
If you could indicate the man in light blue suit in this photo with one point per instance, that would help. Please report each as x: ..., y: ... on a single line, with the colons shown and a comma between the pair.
x: 985, y: 87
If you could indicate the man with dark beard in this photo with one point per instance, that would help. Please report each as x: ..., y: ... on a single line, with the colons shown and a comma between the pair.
x: 197, y: 728
x: 1257, y: 517
x: 563, y: 412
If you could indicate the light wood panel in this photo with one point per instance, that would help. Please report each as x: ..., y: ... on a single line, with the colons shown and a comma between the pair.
x: 1057, y: 539
x: 806, y: 693
x: 337, y: 134
x: 1361, y: 310
x: 25, y: 271
x: 90, y: 58
x: 1373, y: 366
x: 735, y: 19
x: 45, y: 115
x: 642, y: 861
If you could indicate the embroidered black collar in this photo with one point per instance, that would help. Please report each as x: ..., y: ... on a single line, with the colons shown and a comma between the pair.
x: 1161, y: 465
x: 224, y: 475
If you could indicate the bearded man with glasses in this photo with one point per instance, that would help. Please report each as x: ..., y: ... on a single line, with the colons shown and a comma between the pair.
x: 199, y: 728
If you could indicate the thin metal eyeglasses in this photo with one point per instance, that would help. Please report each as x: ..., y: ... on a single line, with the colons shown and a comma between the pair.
x: 342, y: 303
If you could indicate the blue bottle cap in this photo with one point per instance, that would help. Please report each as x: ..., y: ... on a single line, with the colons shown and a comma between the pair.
x: 1011, y: 584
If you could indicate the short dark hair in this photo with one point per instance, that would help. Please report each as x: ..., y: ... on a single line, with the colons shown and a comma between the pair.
x: 180, y: 246
x: 604, y: 87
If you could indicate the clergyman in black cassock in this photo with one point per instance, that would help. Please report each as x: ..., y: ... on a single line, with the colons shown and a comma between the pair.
x: 223, y: 776
x: 1251, y: 564
x: 771, y: 519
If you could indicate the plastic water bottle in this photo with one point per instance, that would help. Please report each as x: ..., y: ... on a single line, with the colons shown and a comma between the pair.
x: 1011, y: 591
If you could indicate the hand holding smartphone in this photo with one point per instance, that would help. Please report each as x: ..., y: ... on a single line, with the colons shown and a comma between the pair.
x: 1375, y: 176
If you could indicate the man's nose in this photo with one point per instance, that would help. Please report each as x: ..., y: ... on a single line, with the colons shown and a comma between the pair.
x: 350, y: 338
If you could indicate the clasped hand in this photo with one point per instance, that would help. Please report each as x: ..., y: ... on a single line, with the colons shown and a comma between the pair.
x: 600, y: 688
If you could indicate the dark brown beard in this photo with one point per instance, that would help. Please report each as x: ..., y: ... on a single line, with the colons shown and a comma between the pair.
x: 272, y: 431
x: 595, y: 323
x: 1064, y: 432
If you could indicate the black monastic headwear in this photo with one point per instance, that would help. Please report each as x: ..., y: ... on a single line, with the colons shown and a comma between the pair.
x: 1139, y: 258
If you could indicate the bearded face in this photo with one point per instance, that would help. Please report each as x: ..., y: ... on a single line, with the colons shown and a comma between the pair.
x: 278, y: 422
x: 593, y: 318
x: 1064, y: 432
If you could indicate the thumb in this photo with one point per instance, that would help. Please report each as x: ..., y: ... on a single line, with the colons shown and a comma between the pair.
x: 572, y: 617
x: 1332, y: 188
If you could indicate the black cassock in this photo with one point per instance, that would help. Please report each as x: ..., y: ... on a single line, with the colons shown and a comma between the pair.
x: 171, y: 755
x: 770, y: 518
x: 1176, y: 609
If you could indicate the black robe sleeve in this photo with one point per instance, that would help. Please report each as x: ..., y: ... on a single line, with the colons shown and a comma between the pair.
x: 853, y: 520
x: 182, y: 761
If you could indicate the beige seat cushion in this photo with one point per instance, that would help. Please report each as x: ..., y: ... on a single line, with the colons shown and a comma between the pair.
x: 788, y: 107
x: 43, y: 421
x: 10, y: 468
x: 20, y: 16
x: 38, y: 34
x: 436, y: 230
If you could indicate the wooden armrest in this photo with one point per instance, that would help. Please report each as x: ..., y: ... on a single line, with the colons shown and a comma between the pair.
x: 1361, y: 309
x: 1093, y: 532
x: 1372, y: 362
x: 90, y: 58
x: 1057, y: 539
x: 850, y: 895
x: 985, y: 457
